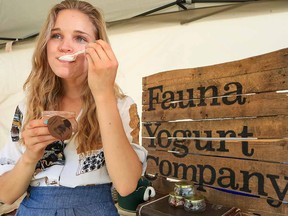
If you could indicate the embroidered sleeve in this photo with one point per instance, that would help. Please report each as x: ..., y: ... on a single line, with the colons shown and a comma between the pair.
x: 16, y: 125
x: 130, y: 119
x: 12, y: 151
x: 131, y: 123
x: 134, y: 123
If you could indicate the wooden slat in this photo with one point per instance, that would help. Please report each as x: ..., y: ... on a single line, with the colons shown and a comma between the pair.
x: 265, y: 104
x: 246, y: 204
x: 225, y: 173
x: 261, y: 128
x: 262, y: 81
x: 269, y: 61
x: 225, y: 148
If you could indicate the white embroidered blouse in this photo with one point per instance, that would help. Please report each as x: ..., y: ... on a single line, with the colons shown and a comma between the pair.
x: 61, y: 165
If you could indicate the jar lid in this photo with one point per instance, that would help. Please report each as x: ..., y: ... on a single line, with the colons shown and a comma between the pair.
x: 184, y: 184
x: 173, y: 194
x: 196, y: 198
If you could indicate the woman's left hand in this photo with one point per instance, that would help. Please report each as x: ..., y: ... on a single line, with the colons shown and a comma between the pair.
x: 102, y: 68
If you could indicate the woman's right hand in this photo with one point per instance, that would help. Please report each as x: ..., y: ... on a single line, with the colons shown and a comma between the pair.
x: 36, y: 137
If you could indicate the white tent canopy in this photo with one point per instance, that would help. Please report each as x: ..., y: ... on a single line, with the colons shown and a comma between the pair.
x: 147, y: 45
x: 20, y: 19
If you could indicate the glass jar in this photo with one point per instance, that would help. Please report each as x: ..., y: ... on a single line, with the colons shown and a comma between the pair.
x: 195, y: 203
x: 184, y: 189
x: 175, y: 200
x: 61, y: 124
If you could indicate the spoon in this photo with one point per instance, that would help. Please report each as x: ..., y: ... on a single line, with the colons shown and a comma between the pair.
x: 71, y: 57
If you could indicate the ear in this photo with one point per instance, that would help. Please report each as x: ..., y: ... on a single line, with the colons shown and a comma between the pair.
x: 149, y: 192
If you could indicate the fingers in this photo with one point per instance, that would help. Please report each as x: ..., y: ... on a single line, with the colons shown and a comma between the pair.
x: 97, y: 52
x: 36, y: 138
x: 39, y: 146
x: 36, y: 132
x: 106, y: 48
x: 101, y: 57
x: 36, y: 123
x: 90, y: 60
x: 100, y: 50
x: 102, y: 67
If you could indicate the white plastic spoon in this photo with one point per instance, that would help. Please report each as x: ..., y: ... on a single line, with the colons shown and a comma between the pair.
x: 71, y: 57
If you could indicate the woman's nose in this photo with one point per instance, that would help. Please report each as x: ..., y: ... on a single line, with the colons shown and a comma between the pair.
x: 66, y: 46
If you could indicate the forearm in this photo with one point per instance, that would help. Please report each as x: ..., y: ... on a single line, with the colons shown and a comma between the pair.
x: 14, y: 183
x: 123, y: 164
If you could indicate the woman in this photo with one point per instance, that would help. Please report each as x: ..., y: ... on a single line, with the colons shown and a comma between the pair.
x: 74, y: 178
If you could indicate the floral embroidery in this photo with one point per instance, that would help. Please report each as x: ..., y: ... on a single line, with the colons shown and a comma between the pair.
x: 91, y: 162
x: 54, y: 155
x: 7, y: 161
x: 16, y: 125
x: 134, y: 123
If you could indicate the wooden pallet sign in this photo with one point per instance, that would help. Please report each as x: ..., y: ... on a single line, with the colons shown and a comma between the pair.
x: 224, y: 127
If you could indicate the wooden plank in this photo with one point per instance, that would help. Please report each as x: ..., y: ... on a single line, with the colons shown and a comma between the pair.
x: 269, y: 61
x: 264, y: 104
x: 263, y: 81
x: 247, y: 204
x: 256, y: 149
x: 252, y: 128
x: 253, y: 178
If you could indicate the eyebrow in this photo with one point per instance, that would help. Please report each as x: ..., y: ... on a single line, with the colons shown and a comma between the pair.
x: 81, y: 32
x: 76, y: 31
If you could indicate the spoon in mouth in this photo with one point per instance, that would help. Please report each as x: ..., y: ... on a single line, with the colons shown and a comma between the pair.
x: 71, y: 57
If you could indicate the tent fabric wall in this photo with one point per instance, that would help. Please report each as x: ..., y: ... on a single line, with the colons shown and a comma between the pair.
x: 159, y: 43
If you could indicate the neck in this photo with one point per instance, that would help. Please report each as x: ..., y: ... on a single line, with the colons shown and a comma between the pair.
x: 71, y: 99
x: 73, y: 104
x: 72, y: 89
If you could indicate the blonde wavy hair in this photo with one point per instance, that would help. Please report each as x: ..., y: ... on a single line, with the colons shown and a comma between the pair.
x: 44, y: 89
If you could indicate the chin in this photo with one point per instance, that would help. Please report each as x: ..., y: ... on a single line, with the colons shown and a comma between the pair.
x: 65, y: 74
